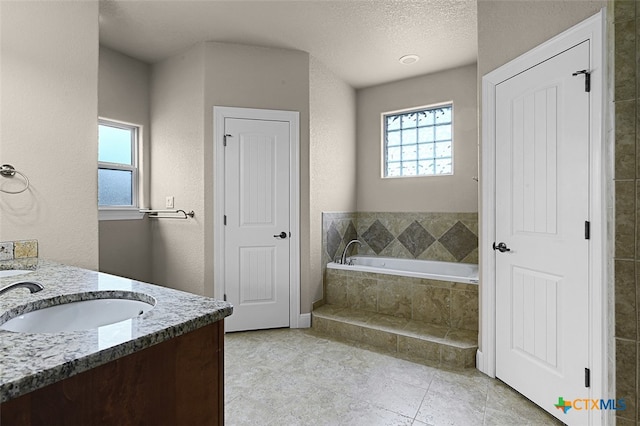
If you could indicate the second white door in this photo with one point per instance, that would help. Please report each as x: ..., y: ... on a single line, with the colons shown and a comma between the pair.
x: 257, y: 220
x: 542, y: 211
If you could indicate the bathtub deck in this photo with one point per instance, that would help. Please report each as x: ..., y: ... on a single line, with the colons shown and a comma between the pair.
x: 413, y: 340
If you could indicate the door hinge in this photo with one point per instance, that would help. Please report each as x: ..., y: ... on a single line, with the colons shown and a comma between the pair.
x: 224, y: 142
x: 587, y: 378
x: 587, y: 79
x: 224, y: 219
x: 587, y: 230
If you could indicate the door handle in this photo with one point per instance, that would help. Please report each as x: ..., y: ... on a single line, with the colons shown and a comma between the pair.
x: 281, y: 235
x: 501, y: 247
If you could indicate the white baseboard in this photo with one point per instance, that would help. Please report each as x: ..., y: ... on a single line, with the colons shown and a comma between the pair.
x: 479, y: 360
x: 481, y: 366
x: 304, y: 321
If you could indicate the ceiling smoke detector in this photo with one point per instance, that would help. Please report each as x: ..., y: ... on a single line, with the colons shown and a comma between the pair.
x: 409, y: 59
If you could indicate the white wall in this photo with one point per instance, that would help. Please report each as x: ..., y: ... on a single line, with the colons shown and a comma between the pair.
x: 184, y: 90
x: 257, y: 77
x: 332, y: 157
x: 178, y: 169
x: 456, y: 193
x: 48, y: 126
x: 507, y: 29
x: 123, y: 95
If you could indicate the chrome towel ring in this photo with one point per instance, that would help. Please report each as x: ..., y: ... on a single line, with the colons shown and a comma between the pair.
x: 8, y: 171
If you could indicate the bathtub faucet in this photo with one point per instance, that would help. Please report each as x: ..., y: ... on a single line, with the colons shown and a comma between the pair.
x: 343, y: 260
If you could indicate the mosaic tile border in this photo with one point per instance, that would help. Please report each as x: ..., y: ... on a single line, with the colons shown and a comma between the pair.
x: 21, y: 254
x: 451, y: 237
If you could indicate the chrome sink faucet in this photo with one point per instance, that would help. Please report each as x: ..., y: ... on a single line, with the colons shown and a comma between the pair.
x: 33, y: 286
x: 343, y: 259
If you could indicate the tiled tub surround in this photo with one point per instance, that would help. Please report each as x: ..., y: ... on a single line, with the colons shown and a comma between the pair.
x: 427, y: 321
x: 32, y: 361
x: 450, y: 237
x: 21, y: 254
x: 338, y: 228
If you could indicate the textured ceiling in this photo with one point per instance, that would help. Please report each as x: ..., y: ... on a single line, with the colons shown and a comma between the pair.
x: 359, y: 40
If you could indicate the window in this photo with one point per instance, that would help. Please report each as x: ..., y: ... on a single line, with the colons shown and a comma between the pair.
x: 419, y: 142
x: 117, y: 166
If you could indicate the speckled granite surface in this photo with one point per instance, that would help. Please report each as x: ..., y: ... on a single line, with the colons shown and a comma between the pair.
x: 32, y: 361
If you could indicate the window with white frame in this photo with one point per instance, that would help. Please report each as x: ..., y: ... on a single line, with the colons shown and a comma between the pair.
x: 117, y: 165
x: 419, y: 142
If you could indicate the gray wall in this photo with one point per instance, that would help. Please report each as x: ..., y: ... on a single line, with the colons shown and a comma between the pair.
x: 455, y: 193
x: 123, y: 95
x: 332, y: 157
x: 178, y: 169
x: 184, y: 90
x: 507, y: 29
x: 48, y: 126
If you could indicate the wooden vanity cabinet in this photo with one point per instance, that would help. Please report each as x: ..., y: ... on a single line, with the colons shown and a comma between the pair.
x: 176, y: 382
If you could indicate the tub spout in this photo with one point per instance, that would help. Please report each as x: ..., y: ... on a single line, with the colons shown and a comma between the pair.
x: 343, y: 260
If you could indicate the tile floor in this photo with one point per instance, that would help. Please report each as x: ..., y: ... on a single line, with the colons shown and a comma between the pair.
x: 292, y: 377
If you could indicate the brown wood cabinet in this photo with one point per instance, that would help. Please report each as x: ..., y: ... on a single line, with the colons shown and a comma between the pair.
x: 176, y: 382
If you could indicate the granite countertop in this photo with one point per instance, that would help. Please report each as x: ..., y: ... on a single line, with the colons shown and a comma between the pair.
x: 31, y: 361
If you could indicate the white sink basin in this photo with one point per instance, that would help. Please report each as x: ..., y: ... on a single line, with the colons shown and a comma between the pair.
x: 75, y: 316
x: 13, y: 272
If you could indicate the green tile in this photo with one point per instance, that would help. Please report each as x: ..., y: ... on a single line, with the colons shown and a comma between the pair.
x: 625, y: 303
x: 415, y: 239
x: 621, y: 421
x: 437, y: 251
x: 626, y: 371
x: 623, y: 10
x: 362, y: 293
x: 453, y: 357
x: 382, y: 340
x: 418, y: 350
x: 336, y: 288
x: 637, y: 219
x: 438, y: 223
x: 625, y: 60
x: 432, y: 305
x: 459, y: 241
x: 394, y: 298
x: 625, y: 216
x: 625, y: 143
x: 464, y: 309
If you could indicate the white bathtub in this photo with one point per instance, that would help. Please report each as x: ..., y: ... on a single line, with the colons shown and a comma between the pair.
x: 430, y: 269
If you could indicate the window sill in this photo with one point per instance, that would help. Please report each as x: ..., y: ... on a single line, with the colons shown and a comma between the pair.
x: 119, y: 214
x: 418, y: 176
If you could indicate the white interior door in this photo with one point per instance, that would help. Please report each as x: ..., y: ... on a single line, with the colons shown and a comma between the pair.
x: 542, y: 203
x: 257, y: 230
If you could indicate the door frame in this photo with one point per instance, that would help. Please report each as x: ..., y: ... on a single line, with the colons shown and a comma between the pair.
x: 592, y: 29
x: 220, y: 113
